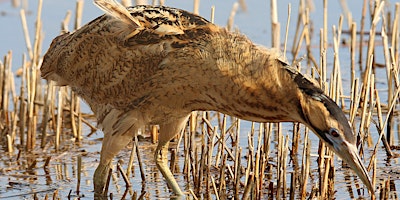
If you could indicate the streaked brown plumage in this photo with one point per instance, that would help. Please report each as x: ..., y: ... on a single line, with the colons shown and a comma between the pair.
x: 154, y: 65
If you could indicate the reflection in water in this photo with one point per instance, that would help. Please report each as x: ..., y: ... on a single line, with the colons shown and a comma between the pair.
x: 59, y: 177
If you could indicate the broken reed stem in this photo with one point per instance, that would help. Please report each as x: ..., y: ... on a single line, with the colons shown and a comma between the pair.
x: 65, y: 22
x: 380, y: 124
x: 142, y: 172
x: 364, y: 11
x: 131, y: 157
x: 196, y: 6
x: 38, y: 39
x: 26, y: 33
x: 275, y: 25
x: 212, y: 13
x: 231, y: 19
x: 259, y: 163
x: 72, y: 111
x: 46, y: 111
x: 385, y: 123
x: 279, y: 166
x: 297, y: 30
x: 59, y: 118
x: 287, y: 30
x: 124, y: 176
x: 305, y: 166
x: 78, y: 14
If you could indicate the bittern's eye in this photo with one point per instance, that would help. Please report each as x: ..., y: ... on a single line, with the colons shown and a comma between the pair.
x: 334, y: 132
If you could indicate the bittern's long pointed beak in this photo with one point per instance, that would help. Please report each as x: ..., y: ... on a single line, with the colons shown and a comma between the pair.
x: 348, y: 152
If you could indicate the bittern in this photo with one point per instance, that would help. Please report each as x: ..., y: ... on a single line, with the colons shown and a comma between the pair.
x: 154, y: 65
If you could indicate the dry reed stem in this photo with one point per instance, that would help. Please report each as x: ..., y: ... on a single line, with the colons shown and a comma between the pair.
x: 65, y: 22
x: 46, y: 111
x: 193, y: 195
x: 131, y: 157
x: 215, y: 188
x: 305, y: 167
x: 365, y: 90
x: 78, y: 14
x: 370, y: 110
x: 355, y: 100
x: 74, y: 100
x: 258, y: 171
x: 142, y: 172
x: 23, y: 104
x: 297, y: 29
x: 325, y: 25
x: 231, y: 18
x: 124, y: 176
x: 37, y: 40
x: 279, y: 167
x: 287, y: 30
x: 196, y: 6
x: 212, y: 14
x: 59, y: 118
x: 364, y: 11
x: 26, y: 33
x: 275, y: 25
x: 390, y: 80
x: 381, y: 132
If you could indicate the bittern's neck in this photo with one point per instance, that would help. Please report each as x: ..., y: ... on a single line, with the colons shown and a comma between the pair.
x: 252, y: 83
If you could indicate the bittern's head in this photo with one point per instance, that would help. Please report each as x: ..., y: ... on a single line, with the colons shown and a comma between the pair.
x: 327, y: 120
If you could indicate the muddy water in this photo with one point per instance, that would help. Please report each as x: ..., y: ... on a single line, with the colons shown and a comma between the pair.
x: 20, y: 178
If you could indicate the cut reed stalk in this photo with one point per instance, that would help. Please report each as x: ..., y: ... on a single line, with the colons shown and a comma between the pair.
x: 59, y: 118
x: 65, y: 22
x: 78, y: 14
x: 46, y: 112
x: 196, y: 6
x: 305, y: 166
x: 364, y: 11
x: 275, y: 25
x: 297, y: 30
x: 212, y: 14
x: 130, y: 162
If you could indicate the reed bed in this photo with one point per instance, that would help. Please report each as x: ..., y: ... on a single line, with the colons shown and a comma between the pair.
x: 217, y: 158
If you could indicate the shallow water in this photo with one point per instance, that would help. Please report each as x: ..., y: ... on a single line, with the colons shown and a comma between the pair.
x: 61, y: 174
x: 16, y: 182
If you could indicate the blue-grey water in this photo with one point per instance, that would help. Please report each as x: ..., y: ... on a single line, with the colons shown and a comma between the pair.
x: 18, y: 183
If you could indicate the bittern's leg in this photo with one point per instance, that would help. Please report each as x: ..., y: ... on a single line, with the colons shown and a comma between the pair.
x: 112, y: 144
x: 167, y: 132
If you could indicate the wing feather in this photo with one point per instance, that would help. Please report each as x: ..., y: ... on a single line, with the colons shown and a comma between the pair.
x: 115, y: 9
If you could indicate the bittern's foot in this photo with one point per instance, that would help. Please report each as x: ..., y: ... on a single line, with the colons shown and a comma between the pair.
x: 100, y: 181
x: 162, y: 165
